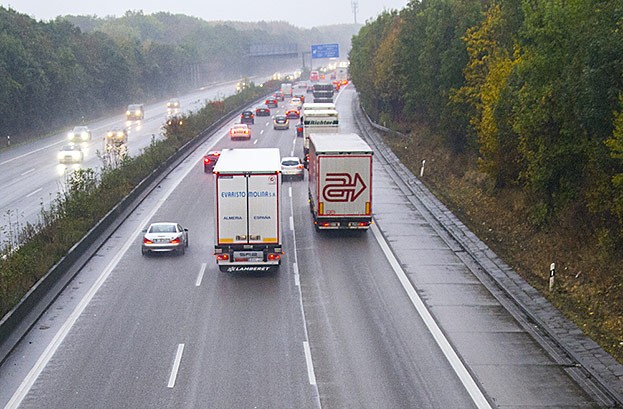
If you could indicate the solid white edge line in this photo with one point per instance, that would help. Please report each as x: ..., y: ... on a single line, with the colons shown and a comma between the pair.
x: 176, y: 365
x: 200, y: 276
x: 459, y: 368
x: 310, y: 366
x: 49, y: 351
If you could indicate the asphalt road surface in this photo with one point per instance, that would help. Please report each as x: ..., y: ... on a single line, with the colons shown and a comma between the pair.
x: 388, y: 318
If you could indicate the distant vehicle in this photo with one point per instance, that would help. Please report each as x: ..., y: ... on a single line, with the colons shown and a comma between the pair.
x: 248, y: 210
x: 286, y: 88
x: 318, y: 121
x: 174, y: 121
x: 116, y: 137
x: 272, y: 102
x: 281, y: 122
x: 262, y: 111
x: 247, y: 117
x: 71, y: 153
x: 240, y: 131
x: 299, y: 129
x: 296, y: 101
x: 173, y: 103
x: 293, y: 113
x: 242, y: 85
x: 135, y: 112
x: 292, y: 167
x: 165, y: 236
x: 341, y: 75
x: 314, y: 76
x: 299, y: 96
x: 279, y: 95
x: 338, y: 161
x: 209, y: 160
x: 323, y: 92
x: 79, y: 134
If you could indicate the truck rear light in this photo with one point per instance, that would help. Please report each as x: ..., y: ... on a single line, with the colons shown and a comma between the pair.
x: 273, y: 256
x: 364, y: 224
x: 222, y: 257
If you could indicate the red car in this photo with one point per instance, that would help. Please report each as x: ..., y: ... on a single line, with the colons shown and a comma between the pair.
x: 293, y: 113
x: 299, y: 130
x: 210, y: 159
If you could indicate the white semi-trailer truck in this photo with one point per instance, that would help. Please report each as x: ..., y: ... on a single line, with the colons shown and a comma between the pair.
x: 248, y: 210
x: 340, y: 181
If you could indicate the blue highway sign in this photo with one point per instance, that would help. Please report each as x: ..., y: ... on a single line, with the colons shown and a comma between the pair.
x: 325, y: 51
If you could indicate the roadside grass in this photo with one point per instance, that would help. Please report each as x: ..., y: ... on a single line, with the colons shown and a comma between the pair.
x: 589, y: 281
x: 29, y: 251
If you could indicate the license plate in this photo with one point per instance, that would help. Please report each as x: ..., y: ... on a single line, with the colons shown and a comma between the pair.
x: 248, y: 256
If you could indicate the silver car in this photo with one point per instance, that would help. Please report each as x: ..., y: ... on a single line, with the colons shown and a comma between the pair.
x: 165, y: 236
x: 292, y: 167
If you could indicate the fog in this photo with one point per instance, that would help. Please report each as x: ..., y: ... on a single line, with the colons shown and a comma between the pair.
x: 304, y: 13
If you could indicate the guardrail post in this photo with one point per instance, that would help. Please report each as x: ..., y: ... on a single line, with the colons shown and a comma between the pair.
x: 552, y: 275
x: 422, y: 168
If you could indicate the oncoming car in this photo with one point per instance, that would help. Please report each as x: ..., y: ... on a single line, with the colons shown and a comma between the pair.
x: 240, y: 131
x: 135, y: 112
x: 281, y: 122
x: 71, y: 153
x: 292, y: 167
x: 173, y: 103
x: 79, y: 134
x: 210, y: 159
x: 165, y: 236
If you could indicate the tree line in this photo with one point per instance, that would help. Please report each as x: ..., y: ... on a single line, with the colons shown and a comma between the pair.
x: 74, y: 68
x: 533, y: 88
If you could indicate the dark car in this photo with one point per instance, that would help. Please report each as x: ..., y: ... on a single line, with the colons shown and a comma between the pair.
x: 209, y: 160
x: 262, y: 111
x: 272, y: 103
x: 279, y: 95
x: 247, y: 117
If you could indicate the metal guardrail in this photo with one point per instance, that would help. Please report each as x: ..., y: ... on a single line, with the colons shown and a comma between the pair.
x: 594, y: 363
x: 17, y: 322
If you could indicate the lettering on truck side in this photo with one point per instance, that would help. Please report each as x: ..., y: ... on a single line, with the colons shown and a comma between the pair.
x: 233, y: 194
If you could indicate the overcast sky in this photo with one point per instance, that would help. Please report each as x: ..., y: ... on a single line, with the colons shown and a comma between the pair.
x: 301, y: 13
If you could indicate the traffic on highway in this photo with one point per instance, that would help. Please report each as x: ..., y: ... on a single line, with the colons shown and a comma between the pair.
x: 366, y: 300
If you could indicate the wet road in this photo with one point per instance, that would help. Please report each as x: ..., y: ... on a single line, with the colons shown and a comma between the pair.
x: 389, y: 318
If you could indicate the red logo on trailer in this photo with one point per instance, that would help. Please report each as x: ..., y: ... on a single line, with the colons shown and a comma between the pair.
x: 343, y: 187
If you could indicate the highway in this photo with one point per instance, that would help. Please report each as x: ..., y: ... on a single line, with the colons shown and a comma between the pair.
x: 31, y: 176
x: 394, y: 317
